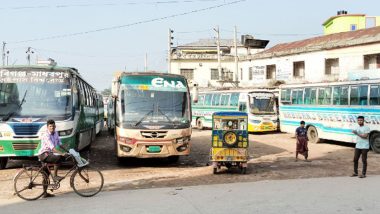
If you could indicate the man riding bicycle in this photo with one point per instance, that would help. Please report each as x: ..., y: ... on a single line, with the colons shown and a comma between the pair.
x: 49, y: 152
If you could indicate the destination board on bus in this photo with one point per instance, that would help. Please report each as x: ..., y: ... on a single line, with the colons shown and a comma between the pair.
x: 33, y: 76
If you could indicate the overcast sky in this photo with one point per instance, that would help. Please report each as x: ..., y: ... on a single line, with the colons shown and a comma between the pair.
x: 98, y: 54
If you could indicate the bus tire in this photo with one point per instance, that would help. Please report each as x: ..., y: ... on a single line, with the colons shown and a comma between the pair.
x: 200, y: 124
x: 312, y: 134
x: 375, y: 142
x: 3, y: 162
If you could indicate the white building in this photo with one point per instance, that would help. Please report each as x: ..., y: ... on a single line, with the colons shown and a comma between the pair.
x: 333, y: 57
x: 198, y: 61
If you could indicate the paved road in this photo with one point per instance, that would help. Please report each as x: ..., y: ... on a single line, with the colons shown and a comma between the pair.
x: 322, y: 195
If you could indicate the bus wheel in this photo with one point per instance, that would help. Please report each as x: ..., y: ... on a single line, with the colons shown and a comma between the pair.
x: 312, y: 134
x: 3, y: 162
x: 375, y: 142
x: 199, y: 124
x: 173, y: 159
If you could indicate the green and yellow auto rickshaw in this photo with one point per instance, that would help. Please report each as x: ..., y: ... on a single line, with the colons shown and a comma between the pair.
x: 229, y: 140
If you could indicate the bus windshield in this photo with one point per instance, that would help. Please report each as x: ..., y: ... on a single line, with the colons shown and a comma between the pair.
x: 261, y: 103
x: 141, y: 108
x: 35, y: 100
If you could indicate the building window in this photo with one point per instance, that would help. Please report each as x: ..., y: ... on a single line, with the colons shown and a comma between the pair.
x: 332, y: 66
x: 299, y: 69
x: 187, y: 73
x: 372, y: 61
x: 353, y: 27
x: 214, y: 74
x: 250, y: 73
x: 271, y: 71
x: 370, y: 22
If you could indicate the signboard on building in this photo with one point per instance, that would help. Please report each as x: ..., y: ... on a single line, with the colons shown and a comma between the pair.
x: 258, y: 74
x: 284, y: 72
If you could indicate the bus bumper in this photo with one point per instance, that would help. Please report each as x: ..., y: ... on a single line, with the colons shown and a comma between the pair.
x: 152, y: 149
x: 261, y: 128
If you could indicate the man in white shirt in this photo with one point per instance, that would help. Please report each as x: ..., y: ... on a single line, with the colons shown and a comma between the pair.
x: 362, y: 146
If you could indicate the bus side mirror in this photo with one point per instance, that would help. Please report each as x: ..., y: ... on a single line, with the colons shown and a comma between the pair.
x: 114, y: 87
x: 194, y: 92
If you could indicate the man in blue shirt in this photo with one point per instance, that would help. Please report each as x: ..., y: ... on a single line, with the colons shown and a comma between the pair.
x: 301, y: 135
x: 362, y: 146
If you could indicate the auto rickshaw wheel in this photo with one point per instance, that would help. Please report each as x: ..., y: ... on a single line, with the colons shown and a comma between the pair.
x: 215, y: 170
x: 243, y: 170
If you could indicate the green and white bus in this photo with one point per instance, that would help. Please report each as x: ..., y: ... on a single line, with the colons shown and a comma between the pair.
x: 100, y: 113
x: 153, y: 115
x: 259, y: 104
x: 30, y: 95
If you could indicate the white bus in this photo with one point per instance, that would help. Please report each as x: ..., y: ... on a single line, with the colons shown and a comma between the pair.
x: 259, y: 104
x: 330, y: 110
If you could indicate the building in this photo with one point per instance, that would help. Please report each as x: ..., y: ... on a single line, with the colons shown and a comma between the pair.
x: 332, y: 57
x: 344, y: 22
x: 198, y: 61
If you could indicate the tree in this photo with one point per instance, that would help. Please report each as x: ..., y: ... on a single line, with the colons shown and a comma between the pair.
x: 106, y: 92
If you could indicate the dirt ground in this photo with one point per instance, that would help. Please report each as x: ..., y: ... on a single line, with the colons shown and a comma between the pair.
x: 272, y: 157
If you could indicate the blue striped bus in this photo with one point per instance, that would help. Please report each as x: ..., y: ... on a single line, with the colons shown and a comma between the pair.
x: 330, y: 109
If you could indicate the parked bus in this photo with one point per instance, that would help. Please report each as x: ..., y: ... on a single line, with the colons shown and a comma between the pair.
x: 30, y: 95
x: 100, y: 113
x: 153, y: 115
x: 330, y: 110
x: 260, y: 105
x: 111, y: 115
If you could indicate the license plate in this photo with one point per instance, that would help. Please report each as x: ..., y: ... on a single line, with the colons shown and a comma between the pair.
x: 154, y: 149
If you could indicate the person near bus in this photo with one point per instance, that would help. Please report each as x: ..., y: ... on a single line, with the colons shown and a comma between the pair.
x: 49, y: 153
x: 301, y: 136
x: 362, y: 146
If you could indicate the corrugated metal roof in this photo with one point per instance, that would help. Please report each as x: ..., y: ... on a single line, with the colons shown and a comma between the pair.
x: 326, y: 42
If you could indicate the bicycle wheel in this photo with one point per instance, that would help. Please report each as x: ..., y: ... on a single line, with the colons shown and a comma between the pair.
x: 87, y: 181
x: 30, y: 183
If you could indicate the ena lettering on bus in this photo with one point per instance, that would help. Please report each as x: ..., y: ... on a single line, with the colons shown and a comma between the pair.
x: 161, y: 82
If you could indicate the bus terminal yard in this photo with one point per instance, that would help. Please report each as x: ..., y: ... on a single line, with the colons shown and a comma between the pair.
x: 271, y: 158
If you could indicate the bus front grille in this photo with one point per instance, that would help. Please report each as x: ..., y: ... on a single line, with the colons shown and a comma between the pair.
x: 26, y: 129
x: 154, y: 134
x: 24, y: 146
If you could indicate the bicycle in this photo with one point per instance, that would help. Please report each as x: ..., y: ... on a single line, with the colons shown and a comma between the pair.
x: 32, y: 182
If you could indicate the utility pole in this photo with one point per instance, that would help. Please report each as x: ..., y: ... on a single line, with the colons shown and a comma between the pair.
x: 3, y: 53
x: 146, y: 62
x: 7, y: 57
x: 218, y: 51
x: 236, y: 75
x: 170, y: 43
x: 29, y: 52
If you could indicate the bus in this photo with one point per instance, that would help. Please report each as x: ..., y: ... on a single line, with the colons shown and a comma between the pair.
x: 259, y: 104
x: 330, y: 110
x: 110, y: 115
x: 152, y: 115
x: 100, y: 113
x: 30, y: 95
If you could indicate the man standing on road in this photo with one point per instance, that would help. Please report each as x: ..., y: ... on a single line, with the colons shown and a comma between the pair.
x: 301, y: 136
x: 362, y: 146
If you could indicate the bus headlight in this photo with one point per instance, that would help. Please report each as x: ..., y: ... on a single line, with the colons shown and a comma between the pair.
x: 255, y: 121
x: 126, y: 140
x: 183, y: 140
x: 65, y: 132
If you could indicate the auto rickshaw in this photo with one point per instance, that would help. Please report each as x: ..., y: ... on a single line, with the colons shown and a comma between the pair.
x: 229, y: 140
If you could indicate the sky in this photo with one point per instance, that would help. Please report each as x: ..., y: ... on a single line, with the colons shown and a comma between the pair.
x: 84, y: 33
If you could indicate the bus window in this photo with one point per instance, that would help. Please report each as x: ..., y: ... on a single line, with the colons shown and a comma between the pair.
x: 324, y: 96
x: 310, y: 96
x: 297, y: 96
x: 208, y: 99
x: 340, y: 95
x: 243, y: 107
x: 374, y: 95
x: 359, y: 95
x: 234, y: 99
x: 224, y: 100
x: 216, y: 100
x: 285, y: 95
x: 201, y: 99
